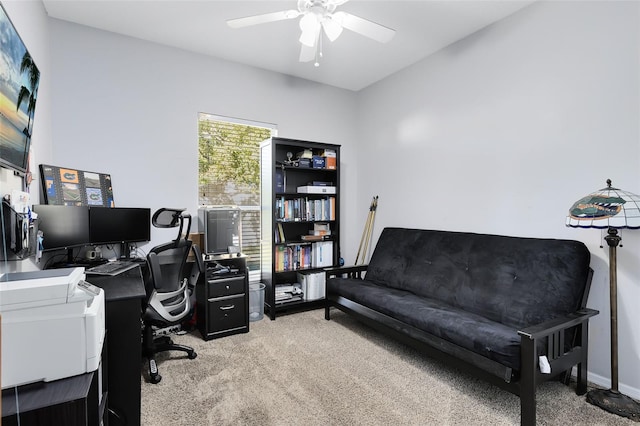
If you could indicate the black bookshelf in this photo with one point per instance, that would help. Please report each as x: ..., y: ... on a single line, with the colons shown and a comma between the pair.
x: 291, y: 217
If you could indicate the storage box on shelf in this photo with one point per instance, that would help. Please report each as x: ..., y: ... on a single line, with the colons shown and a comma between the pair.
x: 300, y: 220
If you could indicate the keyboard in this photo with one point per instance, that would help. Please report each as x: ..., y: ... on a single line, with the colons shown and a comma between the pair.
x: 112, y: 268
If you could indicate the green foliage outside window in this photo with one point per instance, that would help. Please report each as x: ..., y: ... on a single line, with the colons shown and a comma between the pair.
x: 229, y: 162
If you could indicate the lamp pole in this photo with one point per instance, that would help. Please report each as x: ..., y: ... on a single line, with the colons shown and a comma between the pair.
x: 613, y: 240
x: 611, y: 399
x: 610, y: 208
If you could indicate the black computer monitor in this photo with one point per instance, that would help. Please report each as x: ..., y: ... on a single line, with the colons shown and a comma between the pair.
x: 63, y: 227
x: 119, y: 225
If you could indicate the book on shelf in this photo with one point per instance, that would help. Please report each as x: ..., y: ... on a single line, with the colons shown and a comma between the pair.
x: 304, y: 255
x: 330, y: 163
x: 279, y: 236
x: 312, y: 237
x: 305, y: 209
x: 288, y: 288
x: 289, y: 299
x: 280, y: 181
x: 322, y: 254
x: 291, y: 257
x: 317, y: 162
x: 286, y: 293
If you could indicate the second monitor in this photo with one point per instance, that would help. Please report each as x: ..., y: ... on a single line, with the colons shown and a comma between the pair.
x: 119, y: 225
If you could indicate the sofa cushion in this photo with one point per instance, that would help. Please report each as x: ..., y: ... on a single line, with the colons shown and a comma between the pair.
x: 468, y: 330
x: 514, y: 281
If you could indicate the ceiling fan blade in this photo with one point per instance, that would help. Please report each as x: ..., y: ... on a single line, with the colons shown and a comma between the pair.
x: 307, y: 54
x: 264, y: 18
x: 364, y: 27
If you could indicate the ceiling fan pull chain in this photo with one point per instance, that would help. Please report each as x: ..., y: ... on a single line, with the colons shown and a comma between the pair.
x: 318, y: 51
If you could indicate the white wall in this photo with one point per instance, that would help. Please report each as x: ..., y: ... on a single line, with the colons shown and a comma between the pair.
x: 32, y: 24
x: 503, y: 131
x: 129, y: 108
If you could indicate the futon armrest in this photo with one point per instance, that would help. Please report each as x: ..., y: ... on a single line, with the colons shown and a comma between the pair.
x: 557, y: 324
x: 350, y: 271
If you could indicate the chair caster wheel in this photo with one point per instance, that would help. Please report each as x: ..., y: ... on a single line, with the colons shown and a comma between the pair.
x: 154, y: 377
x: 192, y: 355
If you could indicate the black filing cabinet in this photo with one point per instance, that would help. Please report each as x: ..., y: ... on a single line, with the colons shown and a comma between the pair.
x: 222, y: 296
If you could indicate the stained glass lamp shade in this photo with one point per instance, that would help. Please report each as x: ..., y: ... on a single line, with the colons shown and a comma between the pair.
x: 607, y: 208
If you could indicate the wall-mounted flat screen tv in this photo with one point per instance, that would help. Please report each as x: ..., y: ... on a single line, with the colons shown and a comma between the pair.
x: 19, y: 81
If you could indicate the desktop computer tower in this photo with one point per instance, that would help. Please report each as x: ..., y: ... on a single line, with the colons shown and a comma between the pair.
x: 221, y: 228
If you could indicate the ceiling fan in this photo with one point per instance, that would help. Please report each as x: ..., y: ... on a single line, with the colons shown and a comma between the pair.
x: 318, y: 16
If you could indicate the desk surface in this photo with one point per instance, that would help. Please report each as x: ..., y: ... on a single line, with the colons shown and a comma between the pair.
x: 127, y: 285
x: 45, y: 394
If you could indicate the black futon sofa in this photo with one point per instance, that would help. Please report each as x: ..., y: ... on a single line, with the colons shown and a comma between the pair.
x: 487, y: 304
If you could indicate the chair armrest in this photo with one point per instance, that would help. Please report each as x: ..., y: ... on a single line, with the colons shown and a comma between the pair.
x: 350, y: 271
x: 557, y: 324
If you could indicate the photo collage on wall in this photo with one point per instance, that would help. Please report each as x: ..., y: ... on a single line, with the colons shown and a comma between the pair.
x: 73, y: 187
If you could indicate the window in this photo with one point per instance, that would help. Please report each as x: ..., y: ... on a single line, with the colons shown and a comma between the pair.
x: 229, y: 174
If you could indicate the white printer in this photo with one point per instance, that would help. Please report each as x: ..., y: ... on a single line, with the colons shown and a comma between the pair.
x: 52, y: 325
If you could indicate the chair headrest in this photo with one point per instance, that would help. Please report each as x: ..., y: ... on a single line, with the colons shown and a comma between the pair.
x: 167, y: 217
x: 172, y: 218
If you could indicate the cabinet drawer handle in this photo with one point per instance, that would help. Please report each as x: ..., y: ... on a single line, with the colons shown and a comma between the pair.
x: 226, y: 308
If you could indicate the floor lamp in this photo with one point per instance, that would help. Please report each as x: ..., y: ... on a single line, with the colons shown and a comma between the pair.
x: 611, y: 209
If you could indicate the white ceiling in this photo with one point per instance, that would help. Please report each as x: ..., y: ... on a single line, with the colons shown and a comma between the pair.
x: 351, y: 62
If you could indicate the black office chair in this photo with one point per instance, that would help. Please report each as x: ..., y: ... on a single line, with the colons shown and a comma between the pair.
x: 170, y: 286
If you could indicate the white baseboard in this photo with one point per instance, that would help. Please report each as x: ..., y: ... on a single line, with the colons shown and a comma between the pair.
x: 605, y: 382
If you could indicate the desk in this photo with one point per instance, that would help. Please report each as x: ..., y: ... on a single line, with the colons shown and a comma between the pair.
x: 70, y: 401
x: 123, y: 297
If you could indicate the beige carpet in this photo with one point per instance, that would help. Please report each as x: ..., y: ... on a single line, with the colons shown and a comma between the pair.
x: 303, y: 370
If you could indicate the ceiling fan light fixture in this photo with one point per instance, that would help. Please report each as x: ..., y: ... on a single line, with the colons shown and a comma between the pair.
x: 310, y: 31
x: 309, y: 38
x: 310, y: 27
x: 309, y: 22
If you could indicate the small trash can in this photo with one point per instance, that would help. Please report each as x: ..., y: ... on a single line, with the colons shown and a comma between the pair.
x: 256, y: 302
